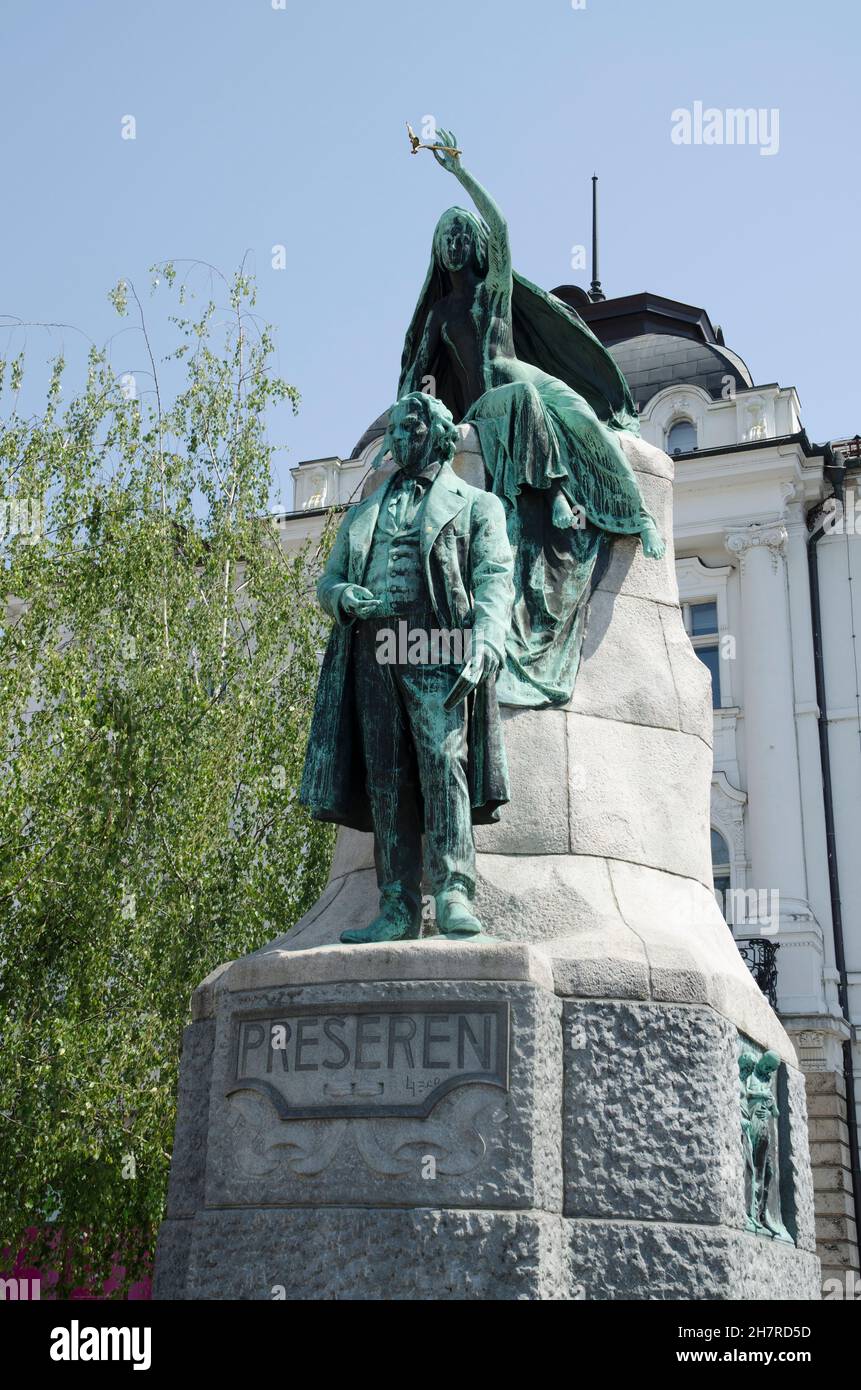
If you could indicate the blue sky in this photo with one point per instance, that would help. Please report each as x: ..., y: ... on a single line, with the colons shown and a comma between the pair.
x: 259, y: 126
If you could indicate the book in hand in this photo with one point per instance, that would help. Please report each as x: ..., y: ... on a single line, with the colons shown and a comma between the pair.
x: 466, y: 681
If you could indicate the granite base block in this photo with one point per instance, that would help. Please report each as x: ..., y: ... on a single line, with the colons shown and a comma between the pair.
x: 445, y: 1136
x: 636, y: 1260
x: 386, y: 1254
x: 350, y: 1253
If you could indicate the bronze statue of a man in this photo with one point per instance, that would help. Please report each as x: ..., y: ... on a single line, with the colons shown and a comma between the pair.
x: 406, y: 735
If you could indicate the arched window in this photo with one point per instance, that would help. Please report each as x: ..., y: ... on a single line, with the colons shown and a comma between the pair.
x: 720, y: 869
x: 682, y: 437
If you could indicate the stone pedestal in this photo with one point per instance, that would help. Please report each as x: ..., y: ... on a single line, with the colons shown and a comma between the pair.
x: 551, y: 1115
x: 442, y: 1123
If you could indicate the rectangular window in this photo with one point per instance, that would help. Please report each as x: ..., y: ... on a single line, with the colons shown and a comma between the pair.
x: 701, y: 625
x: 704, y: 619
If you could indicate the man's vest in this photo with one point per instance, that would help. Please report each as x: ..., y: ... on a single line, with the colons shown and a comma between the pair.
x: 394, y: 573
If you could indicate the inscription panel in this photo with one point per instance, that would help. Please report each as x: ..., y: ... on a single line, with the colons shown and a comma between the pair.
x: 334, y: 1061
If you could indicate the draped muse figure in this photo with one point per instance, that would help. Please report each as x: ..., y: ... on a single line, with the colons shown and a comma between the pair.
x: 548, y: 402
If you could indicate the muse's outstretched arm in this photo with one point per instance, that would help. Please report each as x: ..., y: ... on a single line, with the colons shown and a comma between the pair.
x: 500, y: 251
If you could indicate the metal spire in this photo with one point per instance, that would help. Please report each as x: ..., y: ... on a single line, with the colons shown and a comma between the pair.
x: 595, y: 291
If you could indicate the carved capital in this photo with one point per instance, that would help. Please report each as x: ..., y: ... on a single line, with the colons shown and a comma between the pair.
x: 773, y: 537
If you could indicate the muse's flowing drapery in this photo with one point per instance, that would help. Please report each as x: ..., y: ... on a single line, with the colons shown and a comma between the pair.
x: 556, y: 429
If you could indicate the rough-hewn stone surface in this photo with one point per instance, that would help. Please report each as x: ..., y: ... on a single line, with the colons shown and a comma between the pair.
x: 188, y: 1163
x: 354, y: 1254
x: 491, y: 1147
x: 170, y: 1280
x: 351, y: 1253
x: 651, y: 1126
x: 649, y: 1261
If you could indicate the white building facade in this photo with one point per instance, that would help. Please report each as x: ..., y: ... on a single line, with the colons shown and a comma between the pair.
x: 768, y: 549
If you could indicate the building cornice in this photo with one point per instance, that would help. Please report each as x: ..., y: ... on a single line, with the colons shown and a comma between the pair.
x: 754, y: 445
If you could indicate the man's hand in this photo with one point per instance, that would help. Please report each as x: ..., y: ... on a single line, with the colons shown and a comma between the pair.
x: 484, y: 665
x: 356, y: 602
x: 489, y: 666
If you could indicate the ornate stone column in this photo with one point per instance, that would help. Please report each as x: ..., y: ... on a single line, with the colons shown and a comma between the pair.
x: 775, y: 822
x: 806, y: 715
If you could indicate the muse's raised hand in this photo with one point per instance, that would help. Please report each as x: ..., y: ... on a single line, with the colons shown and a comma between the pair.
x: 449, y: 162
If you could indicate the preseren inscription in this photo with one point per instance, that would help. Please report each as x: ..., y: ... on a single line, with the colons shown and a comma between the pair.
x: 371, y: 1060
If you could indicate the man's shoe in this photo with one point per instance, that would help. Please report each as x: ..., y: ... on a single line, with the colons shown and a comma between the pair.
x: 400, y: 919
x: 454, y: 916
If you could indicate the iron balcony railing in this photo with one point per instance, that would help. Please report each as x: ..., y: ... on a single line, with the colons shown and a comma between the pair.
x: 760, y: 956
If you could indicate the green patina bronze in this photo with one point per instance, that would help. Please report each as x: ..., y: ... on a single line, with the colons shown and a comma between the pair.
x: 406, y: 747
x: 759, y: 1115
x: 412, y: 746
x: 548, y: 402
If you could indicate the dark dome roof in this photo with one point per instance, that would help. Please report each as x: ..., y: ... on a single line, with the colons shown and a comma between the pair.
x: 653, y: 361
x: 659, y: 342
